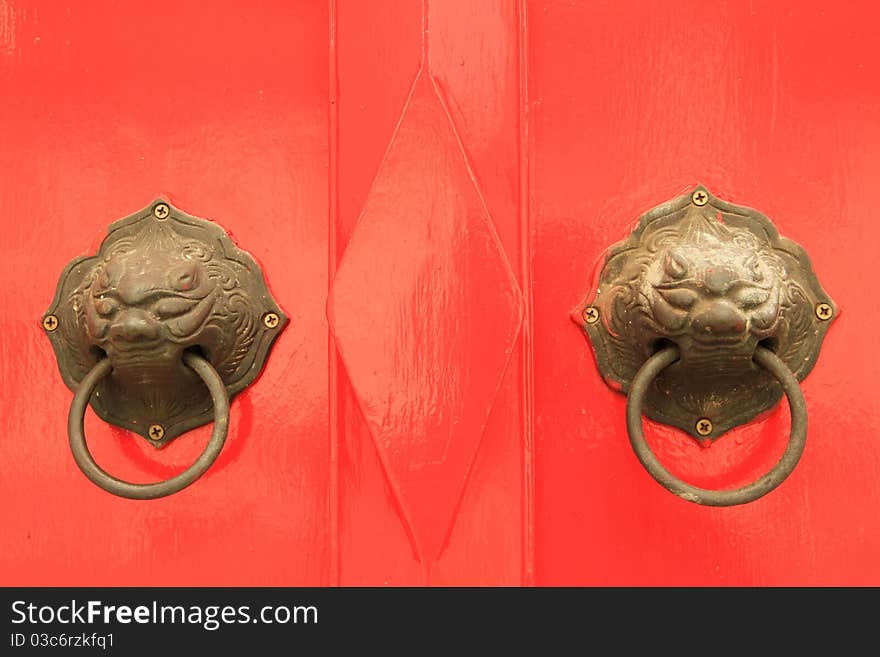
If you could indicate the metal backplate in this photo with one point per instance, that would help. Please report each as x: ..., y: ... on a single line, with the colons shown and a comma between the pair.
x: 162, y: 283
x: 717, y: 280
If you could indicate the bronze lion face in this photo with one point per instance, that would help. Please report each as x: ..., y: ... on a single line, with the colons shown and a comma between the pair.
x: 157, y: 288
x: 716, y: 280
x: 712, y: 289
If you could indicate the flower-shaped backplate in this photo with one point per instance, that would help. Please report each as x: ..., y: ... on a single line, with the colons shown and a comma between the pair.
x: 717, y: 280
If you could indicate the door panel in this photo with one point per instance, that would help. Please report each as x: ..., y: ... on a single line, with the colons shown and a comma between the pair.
x: 770, y: 106
x: 106, y: 107
x: 430, y: 452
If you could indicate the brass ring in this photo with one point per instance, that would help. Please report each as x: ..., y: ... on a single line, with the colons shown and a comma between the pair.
x: 93, y: 471
x: 783, y: 468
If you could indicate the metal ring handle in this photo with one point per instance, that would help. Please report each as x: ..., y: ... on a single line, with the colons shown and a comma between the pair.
x: 93, y: 471
x: 770, y: 362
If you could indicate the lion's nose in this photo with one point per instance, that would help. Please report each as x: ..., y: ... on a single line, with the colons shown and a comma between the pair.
x: 719, y: 318
x: 134, y: 326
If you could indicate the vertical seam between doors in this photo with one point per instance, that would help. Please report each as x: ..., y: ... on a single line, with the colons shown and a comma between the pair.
x: 528, y: 371
x: 332, y: 359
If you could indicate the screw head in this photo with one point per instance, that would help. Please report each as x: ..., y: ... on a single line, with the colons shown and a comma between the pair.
x: 824, y: 311
x: 271, y: 320
x: 161, y: 211
x: 700, y: 197
x: 591, y: 314
x: 50, y: 323
x: 156, y: 432
x: 704, y: 426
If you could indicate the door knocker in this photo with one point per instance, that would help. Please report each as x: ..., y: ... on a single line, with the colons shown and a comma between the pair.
x: 158, y: 331
x: 704, y: 316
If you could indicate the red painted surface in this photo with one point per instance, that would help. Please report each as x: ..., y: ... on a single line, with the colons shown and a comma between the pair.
x: 411, y: 349
x: 429, y: 188
x: 774, y: 106
x: 428, y: 171
x: 105, y: 107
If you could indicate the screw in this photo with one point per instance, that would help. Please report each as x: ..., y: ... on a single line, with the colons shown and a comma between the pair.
x: 156, y: 432
x: 700, y: 197
x: 591, y: 314
x: 50, y: 323
x: 270, y: 320
x: 704, y: 426
x: 161, y: 211
x: 824, y: 311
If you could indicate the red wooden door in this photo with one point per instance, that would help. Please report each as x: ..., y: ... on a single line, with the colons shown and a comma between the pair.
x: 428, y: 187
x: 770, y: 105
x: 107, y: 106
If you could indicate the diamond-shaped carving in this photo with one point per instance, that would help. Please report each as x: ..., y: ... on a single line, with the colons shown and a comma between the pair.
x: 425, y: 310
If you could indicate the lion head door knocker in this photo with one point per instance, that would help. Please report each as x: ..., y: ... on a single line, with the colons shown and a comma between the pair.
x: 704, y: 316
x: 158, y: 331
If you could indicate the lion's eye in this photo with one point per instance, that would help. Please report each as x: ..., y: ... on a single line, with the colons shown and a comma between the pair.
x: 754, y: 268
x: 185, y: 281
x: 172, y: 307
x: 679, y: 297
x: 675, y: 265
x: 105, y: 306
x: 184, y: 278
x: 751, y: 297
